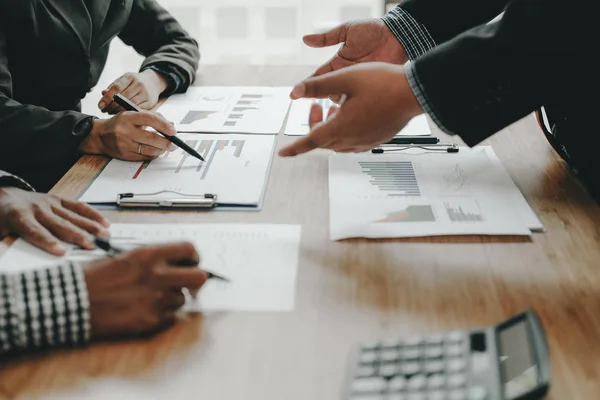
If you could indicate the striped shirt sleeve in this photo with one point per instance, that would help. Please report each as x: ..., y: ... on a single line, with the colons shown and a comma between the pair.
x: 416, y: 40
x: 414, y: 36
x: 44, y: 308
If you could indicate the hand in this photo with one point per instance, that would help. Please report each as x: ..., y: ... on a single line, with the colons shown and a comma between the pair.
x: 47, y: 221
x: 125, y: 137
x: 140, y: 291
x: 143, y: 89
x: 379, y: 103
x: 365, y: 40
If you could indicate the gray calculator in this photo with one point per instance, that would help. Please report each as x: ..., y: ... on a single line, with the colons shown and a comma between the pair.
x: 509, y: 361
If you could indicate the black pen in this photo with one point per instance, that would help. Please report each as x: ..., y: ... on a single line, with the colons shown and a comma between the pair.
x: 129, y: 106
x: 112, y: 251
x: 414, y: 140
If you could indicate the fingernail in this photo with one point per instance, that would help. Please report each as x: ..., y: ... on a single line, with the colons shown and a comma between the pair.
x: 102, y: 105
x: 299, y: 91
x: 59, y: 249
x: 172, y: 130
x: 172, y: 147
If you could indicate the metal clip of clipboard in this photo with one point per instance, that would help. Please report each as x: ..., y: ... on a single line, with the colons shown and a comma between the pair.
x: 137, y: 200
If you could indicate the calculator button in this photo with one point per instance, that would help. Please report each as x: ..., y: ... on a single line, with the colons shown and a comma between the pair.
x: 396, y: 384
x: 365, y: 371
x: 478, y: 342
x: 436, y: 395
x: 434, y: 352
x: 368, y: 385
x: 413, y: 341
x: 434, y: 366
x: 454, y: 350
x: 410, y: 368
x: 435, y: 339
x: 367, y: 397
x: 457, y: 395
x: 455, y: 337
x: 457, y: 380
x: 436, y: 381
x: 368, y: 357
x: 411, y: 353
x: 416, y: 396
x: 388, y: 355
x: 417, y: 382
x: 370, y: 346
x: 478, y: 393
x: 390, y: 344
x: 457, y: 364
x: 395, y: 396
x: 387, y: 370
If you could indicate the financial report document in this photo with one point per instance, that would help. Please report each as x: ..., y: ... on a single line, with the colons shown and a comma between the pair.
x: 228, y: 109
x: 297, y: 121
x: 261, y: 261
x: 236, y: 169
x: 425, y: 194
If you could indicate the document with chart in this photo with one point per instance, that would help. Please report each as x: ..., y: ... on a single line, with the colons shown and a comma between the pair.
x: 223, y: 109
x: 260, y: 261
x: 235, y: 171
x: 297, y: 121
x: 424, y: 194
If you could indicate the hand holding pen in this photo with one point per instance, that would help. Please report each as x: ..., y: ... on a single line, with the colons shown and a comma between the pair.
x: 129, y: 106
x: 112, y: 251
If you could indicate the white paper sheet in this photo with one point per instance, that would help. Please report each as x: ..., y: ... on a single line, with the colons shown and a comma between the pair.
x: 297, y: 122
x: 260, y: 260
x: 236, y: 170
x: 222, y: 109
x: 421, y: 194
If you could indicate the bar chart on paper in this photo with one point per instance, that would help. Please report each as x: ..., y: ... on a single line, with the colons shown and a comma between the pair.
x: 235, y: 169
x: 395, y: 178
x: 260, y: 110
x: 419, y: 194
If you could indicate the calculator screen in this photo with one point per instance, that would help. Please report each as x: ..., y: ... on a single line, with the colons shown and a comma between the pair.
x: 519, y: 368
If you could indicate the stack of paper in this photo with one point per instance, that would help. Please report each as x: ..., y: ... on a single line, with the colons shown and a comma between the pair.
x: 261, y: 261
x: 425, y: 194
x: 222, y: 109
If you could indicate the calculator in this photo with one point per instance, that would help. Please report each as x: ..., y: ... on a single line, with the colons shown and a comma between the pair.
x: 509, y: 361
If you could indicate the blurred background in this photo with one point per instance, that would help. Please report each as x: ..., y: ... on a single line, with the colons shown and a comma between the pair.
x: 254, y: 32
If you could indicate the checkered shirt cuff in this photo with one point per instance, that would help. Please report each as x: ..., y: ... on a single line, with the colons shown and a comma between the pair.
x: 415, y: 37
x: 44, y: 308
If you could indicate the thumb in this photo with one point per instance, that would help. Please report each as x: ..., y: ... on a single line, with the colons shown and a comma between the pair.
x: 335, y: 36
x: 320, y: 87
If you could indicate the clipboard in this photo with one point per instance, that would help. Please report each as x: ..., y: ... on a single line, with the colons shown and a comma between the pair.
x: 181, y: 195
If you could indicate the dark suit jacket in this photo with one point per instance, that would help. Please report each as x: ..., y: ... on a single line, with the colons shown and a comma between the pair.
x: 52, y: 53
x: 482, y: 77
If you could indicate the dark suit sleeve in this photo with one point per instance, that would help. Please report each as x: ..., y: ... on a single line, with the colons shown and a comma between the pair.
x: 30, y: 134
x: 445, y: 19
x: 10, y: 180
x: 495, y: 74
x: 155, y: 34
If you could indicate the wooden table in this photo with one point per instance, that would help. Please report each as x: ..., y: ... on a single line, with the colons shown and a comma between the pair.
x: 352, y: 290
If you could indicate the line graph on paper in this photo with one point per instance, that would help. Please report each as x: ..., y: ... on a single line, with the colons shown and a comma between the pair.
x: 456, y: 182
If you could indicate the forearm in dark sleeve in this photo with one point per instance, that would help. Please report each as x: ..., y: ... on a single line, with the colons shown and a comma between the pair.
x: 155, y: 34
x: 44, y: 308
x: 31, y: 135
x: 445, y: 19
x: 495, y: 74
